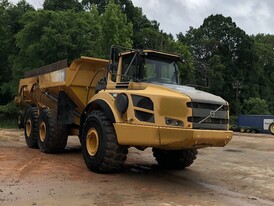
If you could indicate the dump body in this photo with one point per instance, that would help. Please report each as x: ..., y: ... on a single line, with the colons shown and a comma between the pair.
x: 77, y: 81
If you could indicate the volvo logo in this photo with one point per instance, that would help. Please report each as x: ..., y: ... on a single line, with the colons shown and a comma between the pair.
x: 212, y: 113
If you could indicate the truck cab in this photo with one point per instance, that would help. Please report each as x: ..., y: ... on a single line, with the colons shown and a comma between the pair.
x: 147, y: 66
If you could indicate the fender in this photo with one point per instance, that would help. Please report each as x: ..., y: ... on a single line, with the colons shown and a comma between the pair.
x: 97, y: 104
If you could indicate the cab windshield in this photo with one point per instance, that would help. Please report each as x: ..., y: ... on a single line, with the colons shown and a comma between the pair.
x: 161, y: 71
x: 149, y: 69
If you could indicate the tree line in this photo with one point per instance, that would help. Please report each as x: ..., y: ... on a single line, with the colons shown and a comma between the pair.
x: 219, y: 57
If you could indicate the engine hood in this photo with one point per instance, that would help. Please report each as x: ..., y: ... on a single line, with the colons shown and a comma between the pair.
x: 196, y: 95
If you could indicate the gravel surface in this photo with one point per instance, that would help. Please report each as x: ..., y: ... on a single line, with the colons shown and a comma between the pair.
x: 242, y: 173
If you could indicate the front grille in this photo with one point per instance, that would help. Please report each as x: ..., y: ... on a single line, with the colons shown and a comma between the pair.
x: 144, y: 116
x: 208, y: 116
x: 144, y: 108
x: 142, y: 102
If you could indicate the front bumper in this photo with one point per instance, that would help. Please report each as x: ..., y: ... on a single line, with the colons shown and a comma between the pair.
x: 170, y: 137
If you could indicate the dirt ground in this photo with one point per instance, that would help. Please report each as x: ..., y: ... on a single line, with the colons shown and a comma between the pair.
x: 242, y: 173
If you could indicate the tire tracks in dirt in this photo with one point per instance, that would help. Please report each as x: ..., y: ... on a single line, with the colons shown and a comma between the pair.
x: 29, y: 166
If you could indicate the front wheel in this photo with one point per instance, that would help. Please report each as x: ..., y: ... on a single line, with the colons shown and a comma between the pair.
x: 20, y: 120
x: 174, y: 159
x: 100, y: 148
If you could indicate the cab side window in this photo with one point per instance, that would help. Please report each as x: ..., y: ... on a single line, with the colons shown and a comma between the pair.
x: 130, y: 72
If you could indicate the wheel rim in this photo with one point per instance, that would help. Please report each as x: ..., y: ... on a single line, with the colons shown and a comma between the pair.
x: 92, y: 142
x: 272, y: 129
x: 28, y: 127
x: 42, y: 131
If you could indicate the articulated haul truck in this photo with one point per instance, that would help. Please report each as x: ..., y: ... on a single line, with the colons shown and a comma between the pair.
x: 132, y: 100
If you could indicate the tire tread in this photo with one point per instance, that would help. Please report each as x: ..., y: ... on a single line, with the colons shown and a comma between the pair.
x: 32, y: 141
x: 56, y: 139
x: 114, y: 155
x: 174, y: 159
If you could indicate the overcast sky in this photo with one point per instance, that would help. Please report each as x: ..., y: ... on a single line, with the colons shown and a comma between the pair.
x: 253, y: 16
x: 174, y: 16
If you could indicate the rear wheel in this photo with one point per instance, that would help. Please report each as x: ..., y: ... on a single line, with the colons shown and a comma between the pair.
x: 31, y: 127
x: 100, y: 148
x: 52, y: 135
x: 174, y: 159
x: 20, y: 120
x: 271, y: 128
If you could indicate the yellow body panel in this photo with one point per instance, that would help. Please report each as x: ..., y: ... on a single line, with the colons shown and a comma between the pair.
x: 170, y: 137
x: 167, y: 103
x: 82, y: 77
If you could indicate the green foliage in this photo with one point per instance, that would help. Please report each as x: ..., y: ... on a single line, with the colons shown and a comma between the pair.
x: 115, y: 29
x: 5, y: 44
x: 8, y: 111
x: 10, y: 16
x: 187, y: 66
x: 255, y: 106
x: 224, y: 54
x: 8, y: 123
x: 57, y: 5
x: 216, y: 79
x: 233, y: 121
x: 264, y: 67
x: 99, y: 4
x: 48, y: 36
x: 216, y: 55
x: 8, y: 115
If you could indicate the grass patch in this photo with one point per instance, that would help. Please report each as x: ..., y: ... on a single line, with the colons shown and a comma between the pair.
x: 8, y: 123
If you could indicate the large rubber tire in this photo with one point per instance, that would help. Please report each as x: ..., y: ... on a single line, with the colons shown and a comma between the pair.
x: 52, y: 135
x: 174, y: 159
x: 21, y: 120
x: 31, y: 127
x: 271, y: 128
x: 100, y: 148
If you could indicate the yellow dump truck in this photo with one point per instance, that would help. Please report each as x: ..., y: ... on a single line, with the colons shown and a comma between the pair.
x: 134, y: 99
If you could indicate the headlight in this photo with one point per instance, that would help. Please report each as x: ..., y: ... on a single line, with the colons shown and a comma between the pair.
x: 121, y: 102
